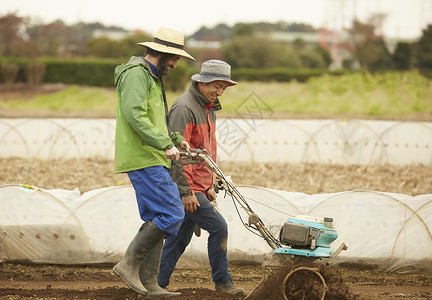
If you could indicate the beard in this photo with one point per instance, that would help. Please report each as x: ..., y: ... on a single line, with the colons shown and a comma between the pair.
x: 163, y: 66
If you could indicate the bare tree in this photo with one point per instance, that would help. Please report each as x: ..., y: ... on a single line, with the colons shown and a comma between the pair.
x: 11, y: 34
x: 367, y: 45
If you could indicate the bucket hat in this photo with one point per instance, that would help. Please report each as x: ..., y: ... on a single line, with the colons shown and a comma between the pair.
x: 168, y: 41
x: 212, y: 70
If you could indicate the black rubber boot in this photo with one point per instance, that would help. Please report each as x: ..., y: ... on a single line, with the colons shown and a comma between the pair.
x: 148, y: 236
x: 149, y: 271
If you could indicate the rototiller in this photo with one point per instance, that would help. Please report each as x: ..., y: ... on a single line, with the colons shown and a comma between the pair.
x: 301, y: 238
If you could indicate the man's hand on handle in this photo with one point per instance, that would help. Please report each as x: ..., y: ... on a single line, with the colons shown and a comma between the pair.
x: 174, y: 152
x: 184, y: 146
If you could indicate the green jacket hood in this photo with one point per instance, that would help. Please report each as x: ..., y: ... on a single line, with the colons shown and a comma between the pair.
x: 133, y: 62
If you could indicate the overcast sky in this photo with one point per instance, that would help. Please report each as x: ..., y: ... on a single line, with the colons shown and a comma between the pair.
x: 405, y: 18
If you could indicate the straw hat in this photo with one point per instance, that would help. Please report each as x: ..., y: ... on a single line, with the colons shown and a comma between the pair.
x: 168, y: 41
x: 212, y: 70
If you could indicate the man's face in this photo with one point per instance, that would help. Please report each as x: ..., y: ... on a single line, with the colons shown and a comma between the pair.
x: 166, y: 64
x: 213, y: 89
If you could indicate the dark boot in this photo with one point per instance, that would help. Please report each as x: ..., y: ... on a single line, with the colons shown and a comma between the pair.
x: 145, y: 240
x: 228, y: 287
x: 149, y: 271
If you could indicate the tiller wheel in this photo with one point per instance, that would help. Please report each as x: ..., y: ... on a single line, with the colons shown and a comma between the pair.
x: 304, y: 283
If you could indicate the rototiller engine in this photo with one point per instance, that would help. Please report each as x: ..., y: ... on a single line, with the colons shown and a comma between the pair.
x: 302, y: 238
x: 307, y: 236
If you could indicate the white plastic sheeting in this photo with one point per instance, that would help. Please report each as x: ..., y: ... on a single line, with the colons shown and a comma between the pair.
x: 60, y: 226
x: 64, y: 227
x: 57, y: 138
x: 258, y: 140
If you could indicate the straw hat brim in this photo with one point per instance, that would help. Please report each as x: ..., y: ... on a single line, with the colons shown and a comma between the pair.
x: 207, y: 79
x: 166, y: 49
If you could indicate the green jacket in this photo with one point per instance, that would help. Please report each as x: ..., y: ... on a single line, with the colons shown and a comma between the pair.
x: 141, y: 130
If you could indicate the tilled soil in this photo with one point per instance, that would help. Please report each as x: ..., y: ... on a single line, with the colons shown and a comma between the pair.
x: 19, y: 281
x: 23, y: 281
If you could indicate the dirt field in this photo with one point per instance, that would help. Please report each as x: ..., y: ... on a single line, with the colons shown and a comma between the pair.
x: 23, y: 281
x: 19, y: 281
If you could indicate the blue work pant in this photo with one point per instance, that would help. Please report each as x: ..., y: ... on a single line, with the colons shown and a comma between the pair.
x: 158, y: 198
x: 209, y: 220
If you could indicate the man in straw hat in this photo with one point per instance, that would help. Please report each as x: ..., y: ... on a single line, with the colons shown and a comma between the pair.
x: 143, y: 149
x: 193, y: 115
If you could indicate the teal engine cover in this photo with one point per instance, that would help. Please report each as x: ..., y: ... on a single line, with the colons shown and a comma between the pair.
x: 307, y: 232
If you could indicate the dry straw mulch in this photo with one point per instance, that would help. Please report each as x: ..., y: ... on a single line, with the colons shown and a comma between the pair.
x: 89, y: 174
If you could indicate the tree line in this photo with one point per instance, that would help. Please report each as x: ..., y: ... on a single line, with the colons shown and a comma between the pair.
x: 242, y: 45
